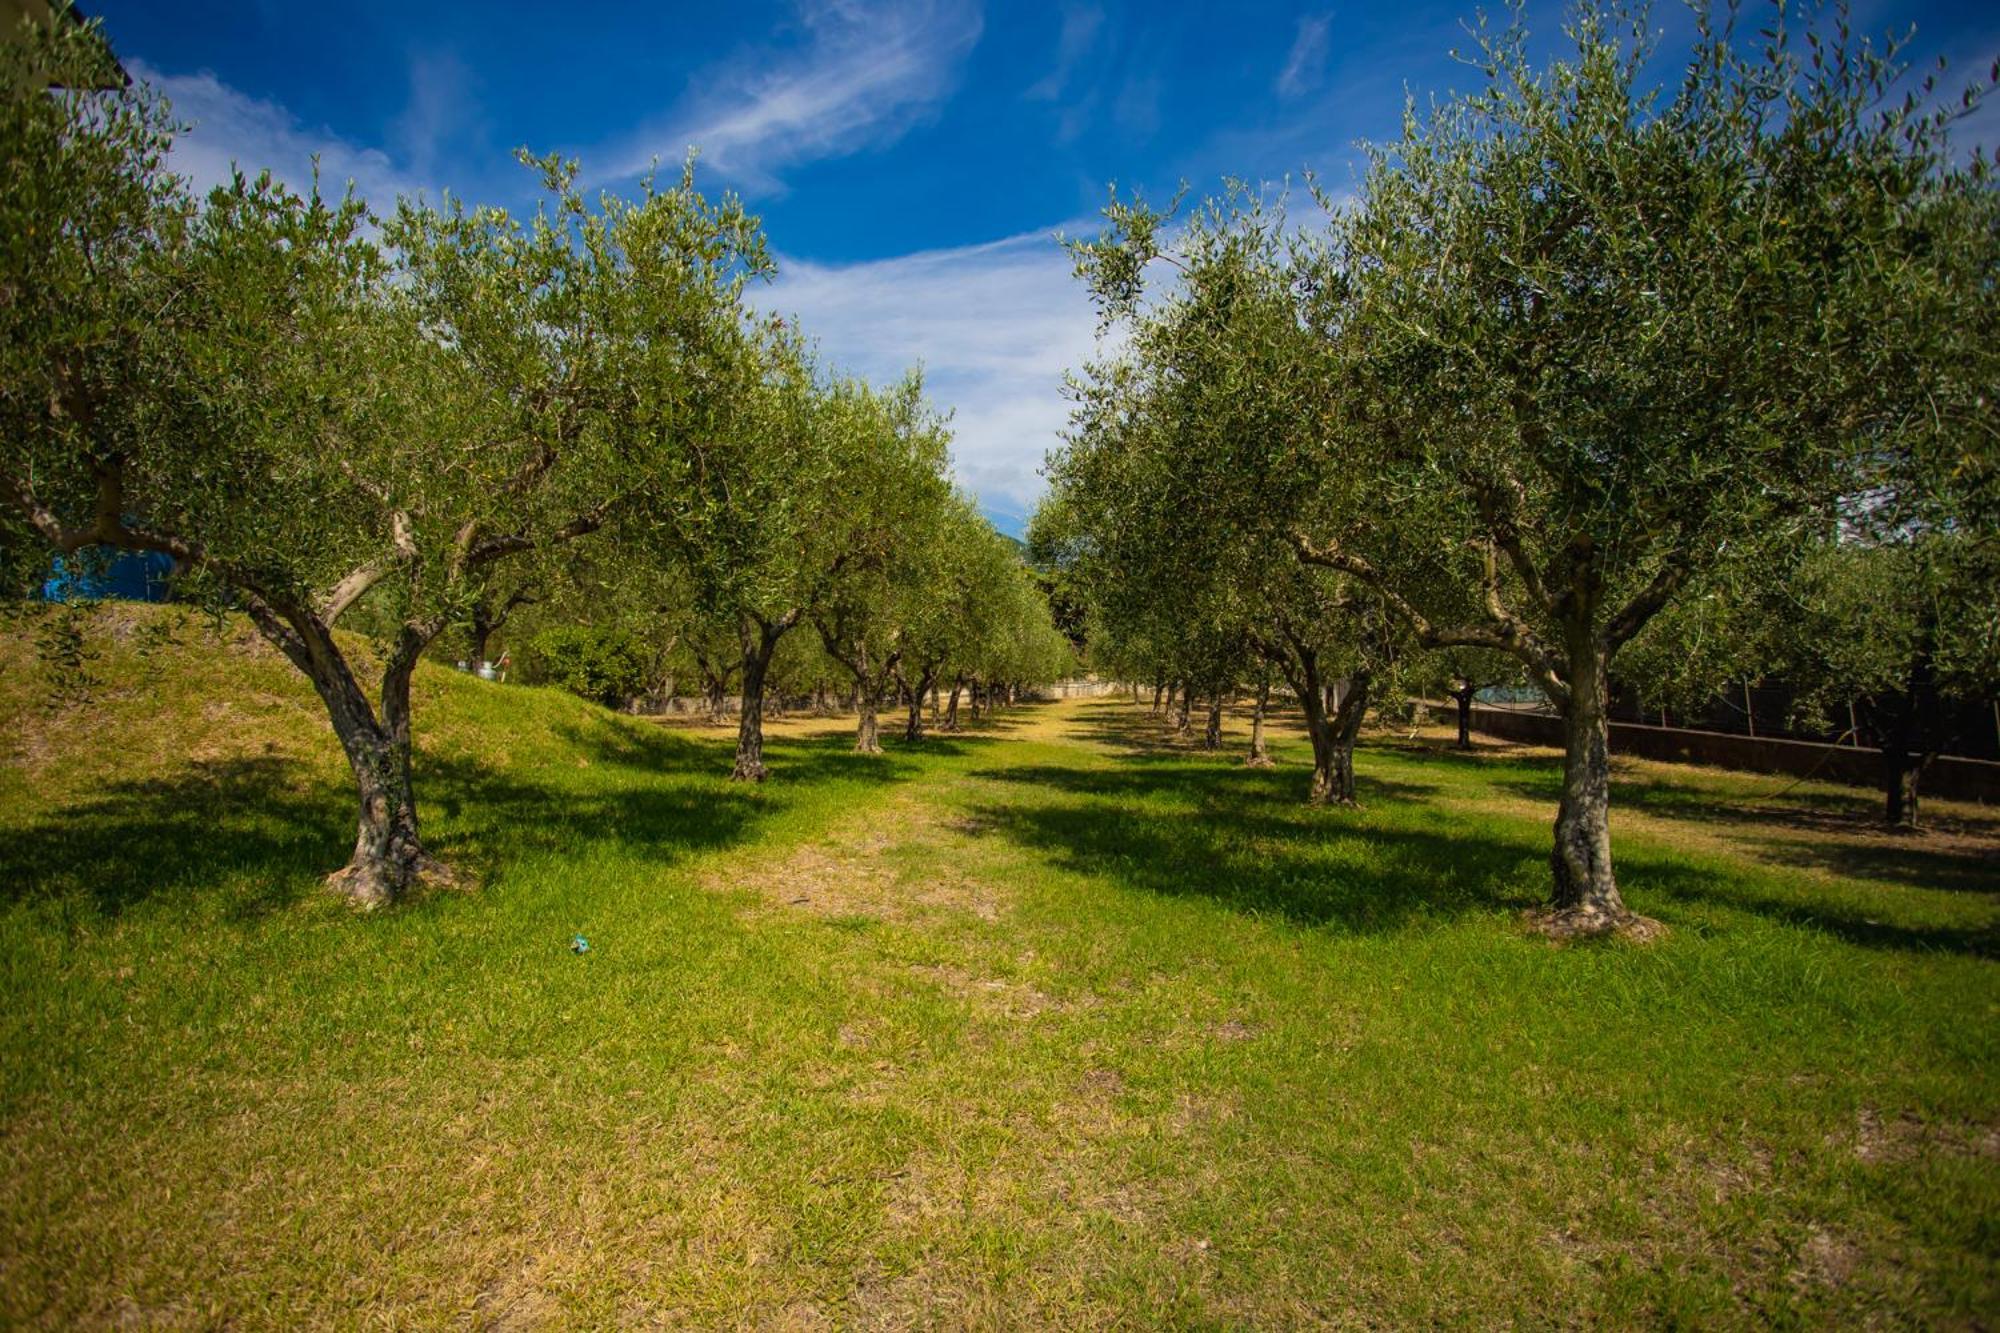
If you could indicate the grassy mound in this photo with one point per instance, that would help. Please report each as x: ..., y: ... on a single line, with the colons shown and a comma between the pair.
x: 1056, y: 1023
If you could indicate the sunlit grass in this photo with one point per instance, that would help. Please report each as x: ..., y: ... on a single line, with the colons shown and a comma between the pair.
x: 1050, y: 1024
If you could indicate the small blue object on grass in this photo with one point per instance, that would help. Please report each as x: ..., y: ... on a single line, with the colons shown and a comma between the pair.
x: 578, y: 944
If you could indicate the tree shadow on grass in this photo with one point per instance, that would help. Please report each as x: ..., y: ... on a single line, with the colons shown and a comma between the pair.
x: 1835, y: 832
x: 1311, y: 871
x: 260, y: 822
x: 1249, y: 844
x: 266, y: 830
x: 1233, y: 790
x: 1253, y: 847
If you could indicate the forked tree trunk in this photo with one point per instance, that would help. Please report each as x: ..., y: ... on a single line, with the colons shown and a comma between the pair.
x: 1343, y: 728
x: 913, y: 729
x: 1211, y: 736
x: 1259, y: 757
x: 1586, y: 899
x: 388, y: 853
x: 1323, y: 749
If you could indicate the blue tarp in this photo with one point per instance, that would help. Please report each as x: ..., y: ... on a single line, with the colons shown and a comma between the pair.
x: 132, y: 576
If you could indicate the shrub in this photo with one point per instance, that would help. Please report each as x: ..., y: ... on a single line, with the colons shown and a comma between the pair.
x: 606, y: 666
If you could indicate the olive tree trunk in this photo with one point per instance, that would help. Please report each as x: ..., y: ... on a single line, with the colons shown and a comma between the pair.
x: 388, y: 855
x: 1900, y: 771
x: 913, y: 728
x: 760, y: 642
x: 1211, y: 736
x: 1344, y: 728
x: 867, y: 732
x: 1259, y: 757
x: 1463, y: 695
x: 1586, y: 898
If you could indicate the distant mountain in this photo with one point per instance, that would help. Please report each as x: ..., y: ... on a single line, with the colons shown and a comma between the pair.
x: 1007, y: 522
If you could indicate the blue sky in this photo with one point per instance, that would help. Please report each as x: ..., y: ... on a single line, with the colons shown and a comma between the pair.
x: 911, y: 158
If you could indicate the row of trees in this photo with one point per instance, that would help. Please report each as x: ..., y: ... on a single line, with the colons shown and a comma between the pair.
x: 1697, y: 381
x: 420, y: 422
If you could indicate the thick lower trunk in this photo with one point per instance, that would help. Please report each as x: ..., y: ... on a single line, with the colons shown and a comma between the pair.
x: 975, y: 698
x: 1181, y: 720
x: 750, y: 717
x: 1159, y: 693
x: 1320, y: 733
x: 482, y: 636
x: 913, y: 729
x: 1346, y: 729
x: 1211, y: 736
x: 1900, y: 770
x: 951, y: 710
x: 1585, y: 897
x: 388, y: 854
x: 1464, y: 697
x: 1259, y: 756
x: 867, y: 735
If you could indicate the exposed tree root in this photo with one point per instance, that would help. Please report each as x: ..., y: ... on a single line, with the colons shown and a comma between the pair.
x: 1565, y: 925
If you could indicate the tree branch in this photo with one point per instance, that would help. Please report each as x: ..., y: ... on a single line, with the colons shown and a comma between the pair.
x: 1506, y: 634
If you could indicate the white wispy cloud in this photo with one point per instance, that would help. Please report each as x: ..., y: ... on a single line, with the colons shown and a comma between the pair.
x: 994, y: 327
x: 1079, y: 33
x: 1307, y: 60
x: 869, y: 71
x: 227, y: 129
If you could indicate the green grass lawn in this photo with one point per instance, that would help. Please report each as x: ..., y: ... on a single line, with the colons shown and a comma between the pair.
x: 1054, y: 1024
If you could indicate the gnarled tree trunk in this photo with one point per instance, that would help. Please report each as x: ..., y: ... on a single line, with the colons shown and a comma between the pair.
x: 1211, y: 736
x: 1259, y: 757
x: 1586, y: 898
x: 388, y: 855
x: 913, y: 729
x: 760, y: 641
x: 1343, y: 728
x: 951, y: 710
x: 867, y: 734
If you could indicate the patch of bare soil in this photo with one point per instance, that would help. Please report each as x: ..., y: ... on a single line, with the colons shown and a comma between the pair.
x: 849, y: 871
x: 1889, y: 1139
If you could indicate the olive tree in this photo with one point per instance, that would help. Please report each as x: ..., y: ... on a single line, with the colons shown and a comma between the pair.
x: 890, y: 575
x: 1584, y: 346
x: 300, y: 417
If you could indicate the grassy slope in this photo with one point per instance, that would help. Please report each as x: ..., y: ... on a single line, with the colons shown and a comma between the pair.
x: 1050, y: 1025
